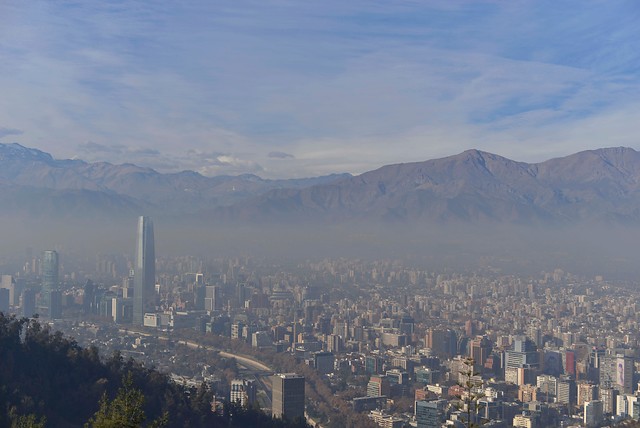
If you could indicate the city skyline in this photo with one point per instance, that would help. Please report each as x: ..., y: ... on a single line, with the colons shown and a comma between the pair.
x: 363, y: 333
x: 367, y: 213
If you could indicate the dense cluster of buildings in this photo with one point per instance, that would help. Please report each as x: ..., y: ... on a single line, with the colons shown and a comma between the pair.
x: 551, y: 350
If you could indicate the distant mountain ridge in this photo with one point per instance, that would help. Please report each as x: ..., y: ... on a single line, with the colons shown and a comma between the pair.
x: 473, y: 186
x: 128, y: 186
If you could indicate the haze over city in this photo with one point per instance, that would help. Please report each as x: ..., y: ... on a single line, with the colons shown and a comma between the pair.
x: 326, y: 214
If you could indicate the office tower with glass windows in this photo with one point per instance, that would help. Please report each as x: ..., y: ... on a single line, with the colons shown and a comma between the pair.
x: 4, y: 300
x: 287, y: 396
x: 144, y: 279
x: 28, y: 303
x: 430, y: 414
x: 55, y: 304
x: 212, y: 299
x: 49, y: 278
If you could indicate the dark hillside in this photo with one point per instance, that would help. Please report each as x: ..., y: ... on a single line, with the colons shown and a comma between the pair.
x: 45, y: 374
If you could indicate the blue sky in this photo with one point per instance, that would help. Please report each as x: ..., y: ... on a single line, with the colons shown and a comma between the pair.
x: 296, y: 88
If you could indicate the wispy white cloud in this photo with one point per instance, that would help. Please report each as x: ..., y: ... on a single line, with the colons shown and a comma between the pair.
x: 328, y: 86
x: 280, y: 155
x: 91, y: 148
x: 230, y: 165
x: 9, y: 131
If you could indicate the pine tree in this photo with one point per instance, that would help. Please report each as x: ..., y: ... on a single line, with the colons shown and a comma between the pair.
x: 29, y: 421
x: 470, y: 400
x: 126, y: 410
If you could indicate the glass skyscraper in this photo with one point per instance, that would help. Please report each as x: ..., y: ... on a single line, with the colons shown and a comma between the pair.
x: 144, y: 279
x: 49, y: 277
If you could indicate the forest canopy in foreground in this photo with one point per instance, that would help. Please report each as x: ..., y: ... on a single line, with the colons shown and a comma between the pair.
x: 48, y: 380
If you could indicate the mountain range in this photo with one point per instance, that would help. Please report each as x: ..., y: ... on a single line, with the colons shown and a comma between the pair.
x: 473, y: 186
x: 33, y: 181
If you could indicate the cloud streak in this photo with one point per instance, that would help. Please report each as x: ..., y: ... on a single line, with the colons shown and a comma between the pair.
x: 4, y: 132
x: 280, y: 155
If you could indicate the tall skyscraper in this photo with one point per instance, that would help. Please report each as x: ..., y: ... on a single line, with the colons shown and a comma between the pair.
x: 212, y: 299
x: 4, y: 300
x: 593, y: 413
x: 89, y: 299
x: 624, y: 373
x: 55, y: 304
x: 144, y: 279
x: 287, y: 396
x: 616, y: 371
x: 480, y: 349
x: 28, y: 303
x: 442, y: 342
x: 49, y: 277
x: 6, y: 283
x: 524, y: 353
x: 567, y: 391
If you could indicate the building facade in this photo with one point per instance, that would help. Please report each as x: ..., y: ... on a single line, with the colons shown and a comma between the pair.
x: 144, y: 279
x: 287, y: 396
x: 430, y: 414
x: 243, y: 392
x: 593, y: 413
x: 50, y: 269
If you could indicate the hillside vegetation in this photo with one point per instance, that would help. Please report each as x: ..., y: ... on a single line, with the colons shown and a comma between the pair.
x: 48, y: 380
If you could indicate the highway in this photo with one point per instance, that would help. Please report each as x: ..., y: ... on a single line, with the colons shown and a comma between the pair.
x: 257, y: 369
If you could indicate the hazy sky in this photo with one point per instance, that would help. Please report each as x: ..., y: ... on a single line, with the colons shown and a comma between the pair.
x: 299, y: 88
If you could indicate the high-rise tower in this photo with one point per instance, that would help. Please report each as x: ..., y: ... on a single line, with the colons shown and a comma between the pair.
x: 49, y: 277
x: 144, y: 270
x: 288, y: 396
